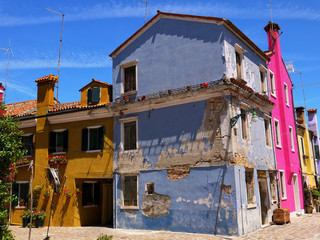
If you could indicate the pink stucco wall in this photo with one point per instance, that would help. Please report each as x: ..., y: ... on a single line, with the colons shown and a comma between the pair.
x: 287, y: 160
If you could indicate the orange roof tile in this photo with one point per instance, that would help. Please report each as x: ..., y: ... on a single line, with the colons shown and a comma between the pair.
x: 312, y: 110
x: 21, y: 108
x: 92, y: 82
x: 47, y: 78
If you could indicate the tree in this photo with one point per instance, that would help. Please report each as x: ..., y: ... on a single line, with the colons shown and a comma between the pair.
x: 11, y: 150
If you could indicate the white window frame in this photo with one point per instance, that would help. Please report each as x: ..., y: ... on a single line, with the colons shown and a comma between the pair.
x: 264, y: 85
x: 20, y: 182
x: 238, y: 49
x: 122, y: 122
x: 58, y: 131
x: 277, y: 133
x: 92, y: 205
x: 291, y: 138
x: 286, y: 92
x: 122, y: 67
x: 88, y: 140
x: 283, y: 187
x: 267, y: 119
x: 122, y: 190
x: 272, y: 84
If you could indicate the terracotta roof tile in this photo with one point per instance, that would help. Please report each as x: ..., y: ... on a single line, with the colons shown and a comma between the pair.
x: 21, y: 108
x: 47, y: 78
x: 94, y: 81
x: 312, y: 110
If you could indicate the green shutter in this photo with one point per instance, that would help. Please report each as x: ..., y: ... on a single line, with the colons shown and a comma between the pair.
x: 65, y: 141
x: 101, y: 137
x: 89, y: 96
x: 95, y: 95
x: 84, y: 139
x: 52, y: 144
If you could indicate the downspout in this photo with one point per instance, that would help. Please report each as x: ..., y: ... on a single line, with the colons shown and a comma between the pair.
x: 240, y: 181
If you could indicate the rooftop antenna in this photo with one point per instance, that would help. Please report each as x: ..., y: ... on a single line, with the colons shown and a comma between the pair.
x: 145, y: 18
x: 8, y: 50
x: 59, y: 47
x: 290, y: 68
x: 270, y: 10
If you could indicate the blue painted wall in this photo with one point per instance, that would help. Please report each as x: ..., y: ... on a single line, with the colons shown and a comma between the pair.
x: 188, y: 212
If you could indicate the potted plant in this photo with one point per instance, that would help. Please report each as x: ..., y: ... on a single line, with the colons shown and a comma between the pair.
x: 46, y: 195
x: 66, y: 192
x: 21, y: 202
x: 25, y: 218
x: 40, y: 218
x: 78, y: 190
x: 37, y: 189
x: 308, y: 199
x: 57, y: 159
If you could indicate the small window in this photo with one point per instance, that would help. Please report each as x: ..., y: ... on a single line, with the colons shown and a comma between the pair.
x: 93, y: 96
x: 273, y: 186
x: 273, y: 84
x: 291, y: 138
x: 90, y: 193
x: 250, y: 186
x: 263, y: 79
x: 150, y: 188
x: 239, y: 64
x: 277, y: 132
x: 283, y: 185
x: 130, y: 191
x: 286, y: 94
x: 93, y: 138
x: 130, y: 79
x: 244, y: 124
x: 129, y: 134
x: 27, y: 141
x: 58, y: 141
x: 20, y: 190
x: 267, y: 131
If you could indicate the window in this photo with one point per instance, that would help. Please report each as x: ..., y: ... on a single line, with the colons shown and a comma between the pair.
x: 291, y: 138
x: 129, y: 134
x: 250, y: 186
x: 93, y: 96
x: 273, y: 84
x: 150, y: 188
x: 129, y: 76
x: 277, y: 133
x: 27, y: 141
x: 263, y: 76
x: 267, y: 131
x: 90, y: 193
x: 93, y: 138
x: 273, y: 186
x: 20, y: 189
x: 239, y: 51
x: 59, y: 141
x: 244, y: 124
x: 286, y: 94
x: 283, y: 185
x: 129, y: 191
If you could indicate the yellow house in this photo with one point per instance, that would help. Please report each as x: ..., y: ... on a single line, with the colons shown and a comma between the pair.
x: 73, y: 140
x: 305, y: 144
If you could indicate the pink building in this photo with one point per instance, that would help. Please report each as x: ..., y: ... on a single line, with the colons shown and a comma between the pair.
x: 1, y: 96
x: 283, y: 120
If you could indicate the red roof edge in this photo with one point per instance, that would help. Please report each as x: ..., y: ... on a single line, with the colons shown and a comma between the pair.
x: 94, y: 81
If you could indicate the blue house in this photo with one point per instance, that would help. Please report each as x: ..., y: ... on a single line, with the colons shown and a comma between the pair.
x: 193, y: 150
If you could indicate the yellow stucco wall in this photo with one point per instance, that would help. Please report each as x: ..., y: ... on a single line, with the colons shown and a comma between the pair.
x: 104, y: 93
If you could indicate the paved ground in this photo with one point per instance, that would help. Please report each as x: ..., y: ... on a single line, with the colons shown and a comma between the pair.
x: 305, y: 227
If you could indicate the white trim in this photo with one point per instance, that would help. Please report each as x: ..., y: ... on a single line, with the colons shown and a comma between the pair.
x: 272, y: 84
x: 268, y: 133
x: 283, y: 184
x: 58, y: 153
x: 241, y: 52
x: 286, y: 92
x: 123, y: 175
x: 277, y: 133
x: 122, y: 67
x: 264, y: 85
x: 93, y: 151
x: 26, y: 134
x: 291, y: 138
x: 126, y: 120
x: 21, y: 182
x: 94, y: 127
x: 59, y: 130
x: 90, y: 181
x: 239, y: 49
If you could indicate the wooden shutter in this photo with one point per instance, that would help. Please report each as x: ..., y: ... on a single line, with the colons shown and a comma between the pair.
x: 89, y: 96
x: 101, y: 137
x: 133, y: 136
x: 84, y: 139
x: 52, y: 144
x: 97, y: 193
x: 65, y: 141
x: 130, y: 191
x: 126, y: 128
x: 126, y: 191
x: 15, y: 189
x: 130, y: 79
x: 95, y: 98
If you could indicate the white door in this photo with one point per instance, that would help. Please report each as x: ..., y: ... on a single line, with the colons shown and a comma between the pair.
x: 296, y: 192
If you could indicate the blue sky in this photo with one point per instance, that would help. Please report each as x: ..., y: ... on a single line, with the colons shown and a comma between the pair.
x: 93, y: 29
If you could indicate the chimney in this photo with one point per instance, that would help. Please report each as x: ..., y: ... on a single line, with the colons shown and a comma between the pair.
x: 313, y: 125
x: 45, y: 98
x: 300, y: 115
x: 272, y: 30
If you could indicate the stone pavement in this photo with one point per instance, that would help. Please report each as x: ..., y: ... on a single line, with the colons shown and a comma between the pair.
x: 304, y: 227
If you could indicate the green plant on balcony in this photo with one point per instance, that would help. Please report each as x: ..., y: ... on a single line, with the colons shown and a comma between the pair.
x: 57, y: 159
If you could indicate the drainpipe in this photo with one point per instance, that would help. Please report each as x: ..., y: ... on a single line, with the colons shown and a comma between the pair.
x: 240, y: 181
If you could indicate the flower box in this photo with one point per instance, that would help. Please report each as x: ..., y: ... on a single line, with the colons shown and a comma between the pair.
x: 57, y: 159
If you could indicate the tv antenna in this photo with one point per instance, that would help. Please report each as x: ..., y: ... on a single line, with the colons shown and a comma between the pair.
x: 8, y: 51
x: 270, y: 10
x: 290, y: 68
x: 145, y: 17
x: 59, y: 48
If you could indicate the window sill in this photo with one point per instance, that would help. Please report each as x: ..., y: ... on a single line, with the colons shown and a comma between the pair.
x: 130, y: 207
x: 27, y: 156
x: 93, y: 151
x: 90, y: 206
x: 278, y: 146
x: 129, y: 93
x: 20, y: 207
x: 284, y: 198
x: 274, y: 95
x: 252, y: 205
x: 58, y: 153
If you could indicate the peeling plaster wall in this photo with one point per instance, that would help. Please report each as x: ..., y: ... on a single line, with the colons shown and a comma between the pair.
x: 171, y: 54
x: 204, y: 202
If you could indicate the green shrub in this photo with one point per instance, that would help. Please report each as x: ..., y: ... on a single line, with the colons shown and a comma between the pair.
x: 105, y: 237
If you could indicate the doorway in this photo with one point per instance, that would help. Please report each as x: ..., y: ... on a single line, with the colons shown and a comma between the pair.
x: 107, y: 207
x: 296, y: 192
x: 264, y: 199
